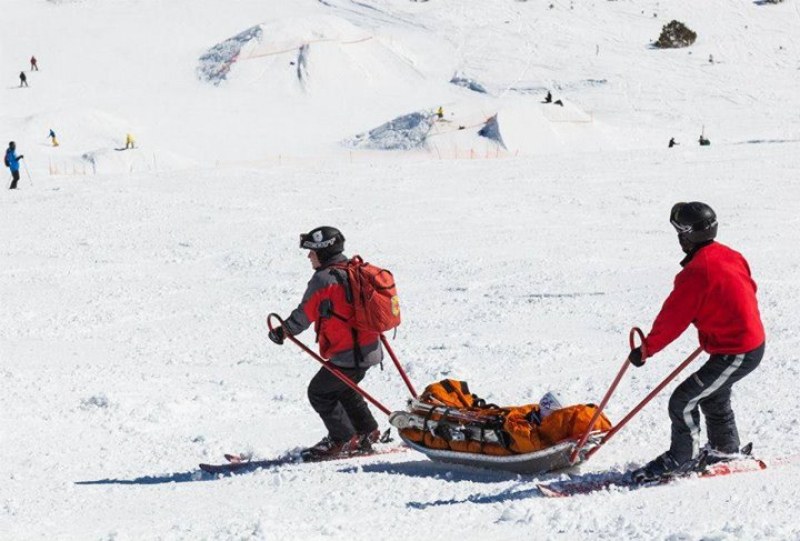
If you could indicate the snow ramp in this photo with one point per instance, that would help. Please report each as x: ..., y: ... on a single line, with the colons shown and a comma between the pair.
x: 526, y: 127
x: 320, y: 55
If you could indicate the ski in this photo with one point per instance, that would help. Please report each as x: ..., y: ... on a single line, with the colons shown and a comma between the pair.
x: 238, y: 464
x: 622, y: 480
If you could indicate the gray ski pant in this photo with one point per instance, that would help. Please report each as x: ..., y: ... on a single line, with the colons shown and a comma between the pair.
x: 709, y: 389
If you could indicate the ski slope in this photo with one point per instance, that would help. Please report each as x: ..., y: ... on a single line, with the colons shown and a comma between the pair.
x: 132, y: 304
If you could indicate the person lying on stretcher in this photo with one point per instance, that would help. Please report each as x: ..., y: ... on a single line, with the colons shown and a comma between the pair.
x: 508, y: 430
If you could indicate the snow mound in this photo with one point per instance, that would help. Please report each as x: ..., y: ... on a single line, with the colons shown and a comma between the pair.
x: 520, y: 126
x: 87, y: 127
x: 320, y: 54
x: 91, y: 141
x: 524, y: 127
x: 405, y: 132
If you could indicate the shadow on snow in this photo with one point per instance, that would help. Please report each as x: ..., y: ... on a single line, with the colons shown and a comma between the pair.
x: 507, y: 495
x: 525, y: 488
x: 178, y: 477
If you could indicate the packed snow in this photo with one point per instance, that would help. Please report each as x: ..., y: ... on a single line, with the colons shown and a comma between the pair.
x: 136, y: 282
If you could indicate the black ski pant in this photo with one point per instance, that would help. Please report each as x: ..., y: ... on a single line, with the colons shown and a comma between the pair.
x: 14, y: 180
x: 709, y: 390
x: 344, y: 411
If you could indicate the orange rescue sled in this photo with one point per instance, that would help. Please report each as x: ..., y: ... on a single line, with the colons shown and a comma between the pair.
x: 450, y: 424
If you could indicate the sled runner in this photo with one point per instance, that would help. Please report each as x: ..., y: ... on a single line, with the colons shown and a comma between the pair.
x: 556, y: 457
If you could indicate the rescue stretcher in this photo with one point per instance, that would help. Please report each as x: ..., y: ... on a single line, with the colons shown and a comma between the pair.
x: 456, y: 425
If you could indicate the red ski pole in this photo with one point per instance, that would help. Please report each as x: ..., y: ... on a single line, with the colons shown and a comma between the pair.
x: 403, y: 375
x: 328, y: 366
x: 574, y: 455
x: 647, y: 399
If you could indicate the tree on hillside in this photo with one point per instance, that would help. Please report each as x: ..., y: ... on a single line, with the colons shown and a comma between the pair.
x: 675, y: 35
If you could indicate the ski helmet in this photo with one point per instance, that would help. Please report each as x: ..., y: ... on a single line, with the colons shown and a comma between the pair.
x: 695, y: 222
x: 326, y: 241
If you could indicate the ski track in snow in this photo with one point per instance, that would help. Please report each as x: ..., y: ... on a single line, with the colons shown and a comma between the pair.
x: 133, y: 342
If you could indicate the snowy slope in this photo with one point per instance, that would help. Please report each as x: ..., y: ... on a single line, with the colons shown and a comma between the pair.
x: 132, y: 304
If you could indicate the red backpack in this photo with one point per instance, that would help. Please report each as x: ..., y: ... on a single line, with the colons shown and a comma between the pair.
x: 376, y: 306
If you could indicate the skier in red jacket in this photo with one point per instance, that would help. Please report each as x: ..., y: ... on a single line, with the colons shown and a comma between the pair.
x: 351, y: 427
x: 716, y: 294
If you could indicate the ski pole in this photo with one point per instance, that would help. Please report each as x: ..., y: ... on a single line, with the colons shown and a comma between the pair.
x: 403, y: 375
x: 28, y: 173
x: 574, y: 455
x: 647, y: 399
x: 328, y: 366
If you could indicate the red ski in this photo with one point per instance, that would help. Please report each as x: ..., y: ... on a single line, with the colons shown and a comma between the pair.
x: 622, y: 480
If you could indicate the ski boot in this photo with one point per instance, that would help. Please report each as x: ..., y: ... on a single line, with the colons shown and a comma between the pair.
x: 661, y: 467
x: 709, y: 455
x: 367, y: 440
x: 328, y: 449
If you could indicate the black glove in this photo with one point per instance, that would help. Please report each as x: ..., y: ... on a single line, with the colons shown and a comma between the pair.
x: 277, y: 336
x: 635, y: 357
x: 21, y: 156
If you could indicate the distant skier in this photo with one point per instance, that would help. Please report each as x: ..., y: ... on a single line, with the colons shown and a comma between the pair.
x: 52, y: 137
x: 703, y: 141
x: 548, y: 98
x: 11, y: 161
x: 23, y: 79
x: 672, y: 142
x: 440, y: 113
x: 716, y: 294
x: 351, y: 426
x: 130, y: 142
x: 34, y: 64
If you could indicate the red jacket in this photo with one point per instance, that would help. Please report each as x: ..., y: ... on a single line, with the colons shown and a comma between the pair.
x: 715, y: 292
x: 325, y: 305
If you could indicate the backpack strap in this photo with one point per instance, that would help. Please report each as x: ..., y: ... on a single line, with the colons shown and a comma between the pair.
x: 348, y: 291
x: 358, y: 355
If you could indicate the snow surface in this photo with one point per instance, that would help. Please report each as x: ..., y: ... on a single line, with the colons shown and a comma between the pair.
x: 135, y: 283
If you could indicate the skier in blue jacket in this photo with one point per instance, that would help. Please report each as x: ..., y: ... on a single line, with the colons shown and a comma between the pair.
x: 12, y: 162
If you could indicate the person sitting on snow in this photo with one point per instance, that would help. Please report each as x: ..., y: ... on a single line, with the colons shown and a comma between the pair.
x: 715, y: 293
x: 351, y: 426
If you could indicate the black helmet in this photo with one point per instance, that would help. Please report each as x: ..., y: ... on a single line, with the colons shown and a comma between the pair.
x: 326, y: 241
x: 12, y: 144
x: 695, y: 222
